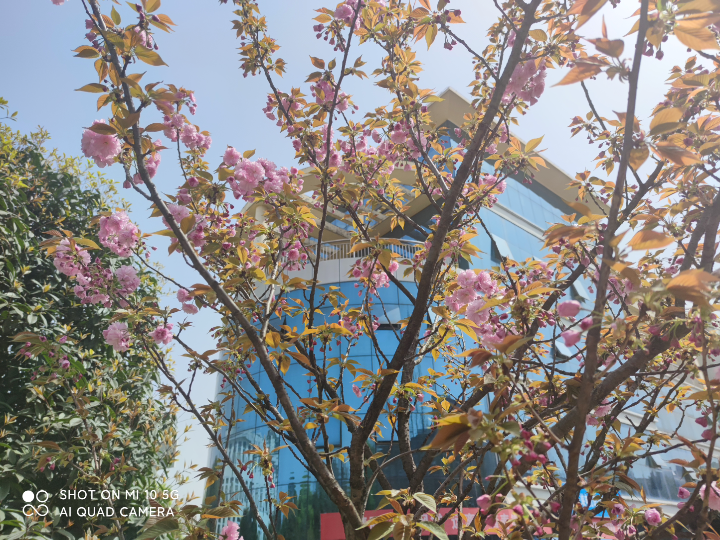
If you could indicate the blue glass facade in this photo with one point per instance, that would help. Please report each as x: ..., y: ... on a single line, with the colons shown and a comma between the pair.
x: 517, y: 222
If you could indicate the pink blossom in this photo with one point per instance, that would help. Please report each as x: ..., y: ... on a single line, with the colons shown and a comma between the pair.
x: 484, y: 502
x: 356, y: 390
x: 163, y: 334
x: 399, y: 135
x: 117, y: 335
x: 571, y: 337
x: 190, y: 309
x: 702, y: 421
x: 486, y: 284
x: 708, y: 434
x: 569, y: 308
x: 344, y: 12
x: 188, y: 136
x: 58, y: 2
x: 101, y: 148
x: 586, y: 323
x: 231, y: 531
x: 118, y: 233
x: 476, y: 313
x: 177, y: 121
x: 714, y: 499
x: 653, y: 517
x: 197, y: 237
x: 467, y: 279
x: 191, y: 138
x: 393, y: 266
x: 603, y: 410
x: 488, y: 179
x: 184, y: 296
x: 231, y: 157
x: 683, y: 493
x: 184, y: 196
x: 152, y: 162
x: 64, y: 362
x: 70, y: 260
x: 128, y: 278
x: 178, y: 212
x: 527, y: 83
x: 464, y: 296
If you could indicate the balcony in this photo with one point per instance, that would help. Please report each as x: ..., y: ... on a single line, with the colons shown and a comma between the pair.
x: 336, y: 259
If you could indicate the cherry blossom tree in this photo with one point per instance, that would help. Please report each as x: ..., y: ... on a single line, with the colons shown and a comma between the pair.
x: 643, y: 232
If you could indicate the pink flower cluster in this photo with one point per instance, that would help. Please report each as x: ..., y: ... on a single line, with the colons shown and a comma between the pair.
x: 295, y: 255
x: 231, y: 531
x: 324, y: 94
x: 192, y: 138
x: 118, y: 233
x: 70, y: 259
x: 570, y: 309
x: 94, y: 283
x: 346, y: 11
x: 163, y: 334
x: 470, y: 285
x: 178, y: 213
x: 489, y: 329
x: 398, y: 135
x: 101, y: 148
x: 58, y: 2
x: 595, y: 417
x: 146, y: 40
x: 118, y: 336
x: 249, y: 175
x: 128, y: 279
x: 373, y: 273
x: 197, y: 235
x: 527, y: 83
x: 189, y: 134
x: 186, y: 299
x: 152, y: 163
x: 172, y: 125
x: 491, y: 184
x: 714, y: 498
x: 653, y: 517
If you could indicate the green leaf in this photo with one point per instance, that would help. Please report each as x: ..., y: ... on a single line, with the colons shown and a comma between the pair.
x: 531, y: 145
x: 163, y: 526
x: 148, y: 56
x: 103, y: 129
x: 380, y: 530
x: 115, y: 16
x: 433, y: 528
x: 219, y: 512
x: 511, y: 427
x: 430, y: 35
x: 94, y: 88
x: 86, y: 52
x: 425, y: 499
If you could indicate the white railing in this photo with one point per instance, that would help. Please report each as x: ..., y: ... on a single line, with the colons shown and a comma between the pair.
x: 340, y: 249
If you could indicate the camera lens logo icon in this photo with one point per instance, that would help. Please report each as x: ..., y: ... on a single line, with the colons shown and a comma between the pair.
x: 40, y: 497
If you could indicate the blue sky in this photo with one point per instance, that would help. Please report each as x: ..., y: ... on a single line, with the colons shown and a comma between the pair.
x: 39, y: 75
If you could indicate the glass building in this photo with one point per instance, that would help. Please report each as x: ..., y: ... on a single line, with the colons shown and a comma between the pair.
x: 517, y: 223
